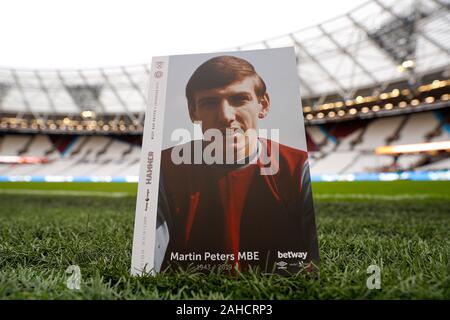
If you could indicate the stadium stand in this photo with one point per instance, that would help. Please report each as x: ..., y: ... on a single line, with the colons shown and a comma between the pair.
x: 415, y: 129
x: 369, y: 163
x: 377, y: 76
x: 378, y: 132
x: 438, y: 165
x: 345, y: 152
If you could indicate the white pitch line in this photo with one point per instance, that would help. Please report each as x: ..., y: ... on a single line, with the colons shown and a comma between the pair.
x: 66, y: 193
x: 343, y: 196
x: 320, y: 196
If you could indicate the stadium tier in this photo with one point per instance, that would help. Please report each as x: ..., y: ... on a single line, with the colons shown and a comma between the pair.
x: 377, y: 76
x: 336, y: 148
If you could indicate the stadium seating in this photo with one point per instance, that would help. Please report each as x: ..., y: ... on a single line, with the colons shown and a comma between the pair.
x: 439, y: 165
x: 334, y: 163
x: 11, y: 145
x: 416, y: 128
x: 343, y: 150
x: 408, y: 161
x: 378, y: 132
x: 334, y: 149
x: 369, y: 163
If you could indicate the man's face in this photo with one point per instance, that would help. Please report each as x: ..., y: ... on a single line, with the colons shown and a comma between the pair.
x: 233, y: 109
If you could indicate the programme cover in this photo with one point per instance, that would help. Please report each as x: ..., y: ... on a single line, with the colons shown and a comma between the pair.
x: 224, y: 178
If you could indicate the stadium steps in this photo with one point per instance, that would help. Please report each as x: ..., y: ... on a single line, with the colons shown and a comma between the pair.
x: 369, y: 162
x: 440, y: 164
x: 63, y: 167
x: 127, y: 151
x: 350, y: 164
x: 104, y: 149
x: 27, y: 145
x: 359, y: 138
x: 408, y: 161
x: 80, y: 146
x: 416, y: 128
x: 12, y: 144
x: 333, y: 163
x: 377, y: 132
x: 396, y: 135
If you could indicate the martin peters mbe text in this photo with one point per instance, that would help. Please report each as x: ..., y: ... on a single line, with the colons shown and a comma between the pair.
x: 246, y: 255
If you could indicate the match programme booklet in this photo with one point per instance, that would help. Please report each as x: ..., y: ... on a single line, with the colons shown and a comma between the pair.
x: 224, y: 180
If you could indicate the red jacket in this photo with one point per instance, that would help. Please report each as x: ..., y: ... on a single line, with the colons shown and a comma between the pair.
x: 233, y: 208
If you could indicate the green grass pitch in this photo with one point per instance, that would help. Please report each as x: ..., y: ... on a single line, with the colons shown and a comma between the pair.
x: 403, y: 227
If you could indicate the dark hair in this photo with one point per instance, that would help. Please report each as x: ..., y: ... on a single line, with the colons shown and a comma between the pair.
x: 219, y: 72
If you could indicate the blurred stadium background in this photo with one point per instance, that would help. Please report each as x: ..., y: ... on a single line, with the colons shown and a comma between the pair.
x: 375, y: 87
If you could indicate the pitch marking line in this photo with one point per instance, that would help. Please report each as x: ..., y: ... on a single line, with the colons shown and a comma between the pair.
x: 324, y: 196
x: 66, y: 193
x: 343, y: 196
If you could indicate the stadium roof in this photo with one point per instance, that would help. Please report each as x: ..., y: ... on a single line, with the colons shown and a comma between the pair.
x: 377, y: 44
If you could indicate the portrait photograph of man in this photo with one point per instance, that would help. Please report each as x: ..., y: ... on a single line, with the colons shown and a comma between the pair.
x: 234, y: 188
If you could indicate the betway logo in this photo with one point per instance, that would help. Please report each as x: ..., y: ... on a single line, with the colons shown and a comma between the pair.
x: 290, y: 254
